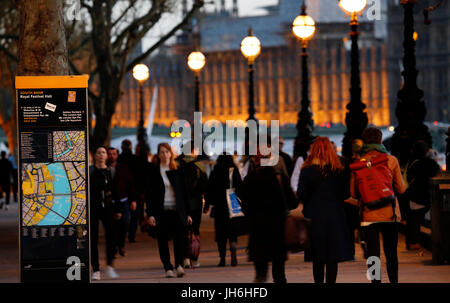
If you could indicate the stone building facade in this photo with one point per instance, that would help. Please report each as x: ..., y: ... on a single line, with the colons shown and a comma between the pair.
x: 224, y: 79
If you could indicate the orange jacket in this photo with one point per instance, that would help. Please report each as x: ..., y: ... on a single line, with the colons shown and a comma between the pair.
x: 384, y: 214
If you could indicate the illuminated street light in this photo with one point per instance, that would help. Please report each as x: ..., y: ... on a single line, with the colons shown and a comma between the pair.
x: 141, y: 73
x: 304, y: 28
x: 356, y: 118
x: 196, y: 61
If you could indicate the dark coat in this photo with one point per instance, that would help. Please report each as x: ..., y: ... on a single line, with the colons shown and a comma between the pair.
x: 266, y: 201
x: 216, y: 196
x: 418, y: 176
x: 323, y: 202
x: 287, y: 162
x: 196, y: 182
x: 156, y: 191
x: 124, y: 183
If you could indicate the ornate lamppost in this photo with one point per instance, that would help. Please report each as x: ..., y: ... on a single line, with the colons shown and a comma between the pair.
x: 196, y: 61
x: 411, y: 109
x: 356, y: 118
x: 251, y: 48
x: 141, y: 73
x: 304, y: 29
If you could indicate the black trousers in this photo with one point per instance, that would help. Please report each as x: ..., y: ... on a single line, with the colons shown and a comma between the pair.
x: 319, y: 271
x: 136, y: 218
x: 169, y: 226
x: 278, y: 271
x: 108, y: 224
x: 415, y: 220
x: 196, y: 215
x: 389, y: 232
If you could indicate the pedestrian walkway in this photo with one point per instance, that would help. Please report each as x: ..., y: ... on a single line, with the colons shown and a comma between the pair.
x: 142, y: 264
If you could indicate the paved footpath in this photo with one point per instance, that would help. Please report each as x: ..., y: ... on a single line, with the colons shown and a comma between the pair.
x: 142, y: 264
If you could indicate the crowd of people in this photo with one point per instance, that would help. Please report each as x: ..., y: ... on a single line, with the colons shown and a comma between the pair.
x: 167, y: 195
x: 8, y: 180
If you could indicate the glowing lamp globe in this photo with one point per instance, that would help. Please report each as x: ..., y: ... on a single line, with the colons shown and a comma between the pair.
x: 141, y: 72
x: 196, y: 61
x: 250, y: 46
x: 304, y: 27
x: 353, y: 6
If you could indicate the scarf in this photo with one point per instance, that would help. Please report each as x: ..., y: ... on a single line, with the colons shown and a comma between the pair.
x: 370, y: 147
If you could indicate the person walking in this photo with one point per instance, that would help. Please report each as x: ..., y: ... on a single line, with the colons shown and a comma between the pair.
x: 216, y: 196
x: 104, y: 208
x: 419, y: 173
x: 322, y: 190
x: 196, y: 181
x: 168, y: 208
x: 266, y: 199
x: 383, y: 218
x: 6, y: 171
x: 126, y: 197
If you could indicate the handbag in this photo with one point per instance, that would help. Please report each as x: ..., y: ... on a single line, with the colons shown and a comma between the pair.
x: 296, y: 233
x: 296, y: 227
x: 233, y: 201
x: 193, y: 245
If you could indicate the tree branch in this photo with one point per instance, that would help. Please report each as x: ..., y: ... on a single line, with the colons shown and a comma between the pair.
x: 197, y: 5
x: 8, y: 53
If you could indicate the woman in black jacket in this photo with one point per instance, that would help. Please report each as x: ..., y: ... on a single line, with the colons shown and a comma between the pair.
x: 216, y: 196
x: 266, y: 199
x: 168, y: 208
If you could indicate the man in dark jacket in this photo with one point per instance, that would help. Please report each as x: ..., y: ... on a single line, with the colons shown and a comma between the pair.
x: 196, y: 182
x: 125, y: 196
x: 266, y: 198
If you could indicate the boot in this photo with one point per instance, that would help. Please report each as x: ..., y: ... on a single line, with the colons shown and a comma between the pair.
x: 233, y: 254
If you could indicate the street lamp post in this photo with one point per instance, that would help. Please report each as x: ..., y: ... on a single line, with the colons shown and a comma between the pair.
x: 141, y: 74
x: 251, y: 48
x: 356, y: 118
x: 304, y: 29
x: 411, y: 109
x: 196, y: 61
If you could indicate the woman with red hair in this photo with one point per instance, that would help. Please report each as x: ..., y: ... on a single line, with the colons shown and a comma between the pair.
x: 322, y: 190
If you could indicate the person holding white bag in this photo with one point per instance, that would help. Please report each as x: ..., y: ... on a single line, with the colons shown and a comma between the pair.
x: 224, y: 175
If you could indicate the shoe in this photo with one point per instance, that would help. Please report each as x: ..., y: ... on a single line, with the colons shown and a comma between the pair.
x: 180, y: 271
x: 259, y: 280
x: 170, y: 274
x: 221, y: 263
x: 96, y: 276
x: 111, y: 272
x: 195, y: 264
x: 122, y: 252
x: 187, y: 263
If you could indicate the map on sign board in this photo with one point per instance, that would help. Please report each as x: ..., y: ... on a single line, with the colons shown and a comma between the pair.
x: 53, y: 193
x: 69, y: 146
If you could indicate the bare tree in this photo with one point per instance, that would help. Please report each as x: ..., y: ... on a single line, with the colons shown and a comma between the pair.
x: 99, y: 45
x: 112, y: 40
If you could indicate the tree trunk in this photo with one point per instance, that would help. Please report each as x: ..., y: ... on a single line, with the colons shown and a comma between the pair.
x: 42, y: 44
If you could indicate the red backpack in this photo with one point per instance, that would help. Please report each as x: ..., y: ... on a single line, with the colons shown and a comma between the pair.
x: 374, y: 182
